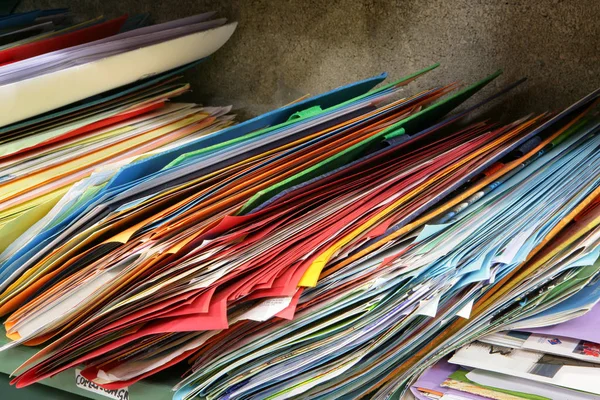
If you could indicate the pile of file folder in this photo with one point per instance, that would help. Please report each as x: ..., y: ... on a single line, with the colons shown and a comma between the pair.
x: 557, y: 360
x: 362, y: 243
x: 43, y: 156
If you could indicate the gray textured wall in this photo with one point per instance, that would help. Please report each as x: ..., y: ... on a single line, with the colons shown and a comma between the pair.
x: 285, y: 48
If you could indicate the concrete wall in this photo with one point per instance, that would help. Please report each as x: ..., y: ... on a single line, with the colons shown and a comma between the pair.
x: 286, y: 48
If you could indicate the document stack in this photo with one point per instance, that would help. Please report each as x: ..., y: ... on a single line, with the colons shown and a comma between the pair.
x: 368, y: 242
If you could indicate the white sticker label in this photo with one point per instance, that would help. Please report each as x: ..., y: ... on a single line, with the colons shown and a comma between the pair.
x: 117, y: 394
x: 267, y: 308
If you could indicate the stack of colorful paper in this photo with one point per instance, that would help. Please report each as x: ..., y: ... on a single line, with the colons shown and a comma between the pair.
x: 400, y: 291
x: 43, y: 156
x: 48, y: 71
x: 544, y: 341
x: 334, y: 248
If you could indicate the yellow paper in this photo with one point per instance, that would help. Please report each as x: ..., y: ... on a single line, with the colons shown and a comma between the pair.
x: 15, y: 228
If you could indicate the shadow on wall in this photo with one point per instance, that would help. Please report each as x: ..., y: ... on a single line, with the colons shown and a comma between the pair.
x: 285, y: 49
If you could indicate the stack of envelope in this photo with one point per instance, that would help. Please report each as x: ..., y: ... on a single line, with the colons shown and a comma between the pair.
x: 361, y: 243
x: 551, y: 352
x: 560, y: 361
x: 49, y: 71
x: 41, y: 157
x: 392, y: 294
x: 150, y: 257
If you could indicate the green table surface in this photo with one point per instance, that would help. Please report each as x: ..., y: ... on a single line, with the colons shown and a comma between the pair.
x: 157, y: 387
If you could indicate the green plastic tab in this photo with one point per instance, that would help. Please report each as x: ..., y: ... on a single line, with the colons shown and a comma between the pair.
x: 309, y: 112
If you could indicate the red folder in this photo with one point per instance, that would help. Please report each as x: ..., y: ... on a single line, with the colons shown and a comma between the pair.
x: 80, y: 36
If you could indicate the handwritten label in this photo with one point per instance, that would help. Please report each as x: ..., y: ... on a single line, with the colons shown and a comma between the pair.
x: 117, y: 394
